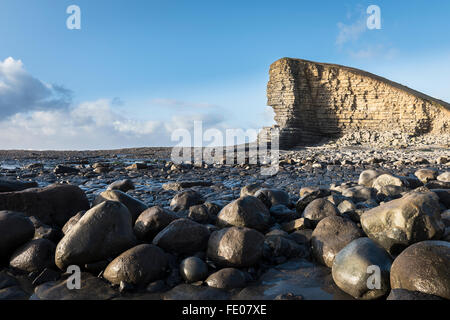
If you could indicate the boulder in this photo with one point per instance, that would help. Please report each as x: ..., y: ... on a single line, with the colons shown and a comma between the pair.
x: 402, y: 294
x: 193, y: 269
x: 15, y: 230
x: 14, y: 185
x: 200, y: 213
x: 367, y: 177
x: 359, y: 193
x: 399, y: 223
x: 388, y: 179
x: 136, y: 207
x: 53, y: 205
x: 152, y: 221
x: 309, y: 197
x: 227, y: 278
x: 103, y: 232
x: 250, y: 190
x: 330, y: 236
x: 444, y: 177
x: 357, y: 266
x: 183, y: 236
x: 72, y: 221
x: 34, y: 256
x: 272, y: 197
x: 122, y: 185
x: 138, y: 266
x: 247, y: 212
x: 423, y: 267
x: 319, y: 209
x: 444, y: 196
x: 425, y: 175
x: 60, y: 169
x: 185, y: 199
x: 236, y: 247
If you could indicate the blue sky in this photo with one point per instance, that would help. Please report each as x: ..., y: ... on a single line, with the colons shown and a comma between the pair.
x: 139, y: 69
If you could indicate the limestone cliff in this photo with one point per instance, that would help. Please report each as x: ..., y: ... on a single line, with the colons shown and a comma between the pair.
x: 315, y: 100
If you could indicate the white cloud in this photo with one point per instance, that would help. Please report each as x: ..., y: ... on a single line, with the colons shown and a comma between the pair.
x: 350, y: 32
x: 21, y: 92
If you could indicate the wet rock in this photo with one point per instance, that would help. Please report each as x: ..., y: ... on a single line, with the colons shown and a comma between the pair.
x: 213, y: 209
x: 137, y: 266
x: 272, y: 197
x: 282, y: 213
x: 152, y: 221
x: 319, y: 209
x: 388, y: 179
x: 367, y: 177
x: 136, y: 207
x: 34, y: 256
x: 302, y: 237
x: 45, y: 276
x: 426, y: 175
x: 185, y: 199
x: 53, y: 205
x: 122, y: 185
x: 183, y: 236
x: 72, y: 221
x: 15, y: 230
x: 60, y: 169
x: 297, y: 224
x: 423, y: 267
x: 200, y: 213
x: 180, y: 185
x: 43, y: 231
x: 399, y: 223
x: 250, y: 190
x: 402, y: 294
x: 309, y: 197
x: 137, y: 166
x: 352, y: 269
x: 330, y: 236
x: 191, y: 292
x: 7, y: 280
x: 236, y: 247
x: 247, y: 212
x: 318, y: 192
x: 13, y: 293
x: 282, y: 246
x: 444, y: 177
x: 359, y: 193
x: 14, y: 185
x: 346, y: 206
x: 103, y: 232
x: 444, y: 196
x: 227, y: 278
x: 193, y: 269
x: 92, y: 288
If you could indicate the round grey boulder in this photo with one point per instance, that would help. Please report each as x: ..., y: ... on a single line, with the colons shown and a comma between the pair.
x: 227, y: 278
x: 236, y: 247
x: 319, y: 209
x: 151, y: 222
x: 362, y: 268
x: 193, y: 269
x: 135, y: 206
x: 122, y: 185
x: 183, y: 236
x: 15, y: 230
x: 185, y: 199
x: 272, y: 197
x: 247, y: 212
x: 103, y: 232
x: 34, y: 256
x: 137, y: 266
x: 330, y: 236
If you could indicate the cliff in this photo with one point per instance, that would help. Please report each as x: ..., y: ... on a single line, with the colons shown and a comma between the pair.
x: 313, y: 101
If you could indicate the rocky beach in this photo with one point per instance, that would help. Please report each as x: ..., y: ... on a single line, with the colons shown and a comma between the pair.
x: 139, y: 226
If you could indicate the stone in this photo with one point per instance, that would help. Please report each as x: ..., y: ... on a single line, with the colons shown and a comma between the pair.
x: 353, y: 268
x: 15, y: 230
x: 72, y: 221
x: 180, y: 185
x: 426, y: 175
x: 330, y: 236
x: 399, y: 223
x: 250, y: 190
x: 319, y: 209
x: 92, y: 288
x: 227, y: 278
x: 43, y: 231
x: 247, y: 212
x: 444, y: 196
x: 359, y: 193
x: 137, y: 166
x: 53, y: 205
x: 387, y: 179
x: 103, y: 232
x: 190, y: 292
x: 200, y: 213
x: 60, y: 169
x: 423, y: 267
x: 34, y: 256
x: 276, y: 246
x: 302, y: 237
x: 45, y: 276
x: 7, y: 280
x: 138, y: 266
x: 297, y: 224
x: 444, y: 177
x: 13, y: 293
x: 272, y: 197
x: 183, y: 236
x: 185, y: 199
x: 313, y: 101
x: 152, y: 221
x: 14, y: 185
x: 121, y: 185
x: 367, y: 177
x: 346, y: 206
x: 193, y: 269
x: 135, y: 206
x: 236, y: 247
x: 282, y: 213
x: 307, y: 198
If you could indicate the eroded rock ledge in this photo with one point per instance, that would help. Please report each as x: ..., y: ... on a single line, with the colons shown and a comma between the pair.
x: 313, y: 101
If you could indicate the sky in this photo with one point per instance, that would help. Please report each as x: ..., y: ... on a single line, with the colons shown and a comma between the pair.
x: 137, y: 70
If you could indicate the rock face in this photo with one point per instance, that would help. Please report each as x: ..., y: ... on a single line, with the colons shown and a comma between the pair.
x: 315, y: 100
x: 138, y: 266
x: 423, y: 267
x: 399, y: 223
x: 103, y: 232
x: 53, y: 205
